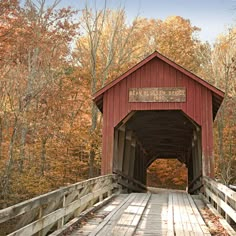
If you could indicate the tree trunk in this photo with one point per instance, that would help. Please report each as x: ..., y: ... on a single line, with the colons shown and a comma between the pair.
x: 22, y: 147
x: 220, y: 127
x: 92, y: 151
x: 1, y: 137
x: 91, y: 162
x: 43, y: 155
x: 7, y: 174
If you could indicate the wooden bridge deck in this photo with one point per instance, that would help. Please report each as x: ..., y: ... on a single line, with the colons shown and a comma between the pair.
x: 165, y: 213
x: 161, y: 212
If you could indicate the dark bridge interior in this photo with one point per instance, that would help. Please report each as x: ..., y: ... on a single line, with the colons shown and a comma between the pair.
x: 144, y: 136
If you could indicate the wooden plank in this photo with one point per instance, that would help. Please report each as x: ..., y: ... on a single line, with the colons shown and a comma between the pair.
x: 130, y: 183
x: 78, y: 219
x: 222, y: 188
x: 130, y: 186
x: 179, y: 230
x: 184, y: 216
x: 65, y: 206
x: 121, y: 219
x: 28, y: 205
x: 198, y: 216
x: 135, y: 211
x: 189, y: 230
x: 227, y: 227
x: 171, y: 94
x: 38, y: 225
x: 233, y: 187
x: 155, y: 217
x: 53, y: 217
x: 223, y: 222
x: 170, y: 216
x: 192, y: 218
x: 113, y: 215
x: 131, y: 218
x: 228, y: 210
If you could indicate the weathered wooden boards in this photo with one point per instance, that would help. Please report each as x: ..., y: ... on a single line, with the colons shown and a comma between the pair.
x: 171, y: 213
x: 165, y: 213
x: 52, y: 210
x: 155, y: 217
x: 100, y: 215
x: 222, y: 197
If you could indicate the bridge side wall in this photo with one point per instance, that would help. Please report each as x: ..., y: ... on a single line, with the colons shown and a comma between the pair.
x: 156, y: 73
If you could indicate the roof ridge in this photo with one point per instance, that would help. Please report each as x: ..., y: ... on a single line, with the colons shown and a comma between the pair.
x: 188, y: 73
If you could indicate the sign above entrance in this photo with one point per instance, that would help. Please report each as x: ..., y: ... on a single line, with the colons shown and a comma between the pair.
x: 157, y: 94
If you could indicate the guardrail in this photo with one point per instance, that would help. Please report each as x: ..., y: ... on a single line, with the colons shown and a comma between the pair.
x: 48, y: 212
x: 222, y: 198
x: 233, y: 187
x: 130, y: 184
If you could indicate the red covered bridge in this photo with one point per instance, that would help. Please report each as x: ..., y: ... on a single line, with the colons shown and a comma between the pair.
x: 158, y: 109
x: 155, y: 110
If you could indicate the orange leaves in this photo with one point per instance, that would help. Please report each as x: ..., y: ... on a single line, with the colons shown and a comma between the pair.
x: 225, y: 128
x: 174, y: 37
x: 167, y: 173
x: 39, y: 121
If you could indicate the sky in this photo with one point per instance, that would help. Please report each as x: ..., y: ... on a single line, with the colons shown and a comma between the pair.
x: 212, y: 16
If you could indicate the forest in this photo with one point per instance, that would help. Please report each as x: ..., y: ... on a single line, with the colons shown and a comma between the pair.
x: 53, y: 59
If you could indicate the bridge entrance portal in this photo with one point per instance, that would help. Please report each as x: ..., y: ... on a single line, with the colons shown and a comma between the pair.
x: 144, y: 136
x: 158, y: 109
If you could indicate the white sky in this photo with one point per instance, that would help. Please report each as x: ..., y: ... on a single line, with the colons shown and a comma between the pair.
x: 212, y: 16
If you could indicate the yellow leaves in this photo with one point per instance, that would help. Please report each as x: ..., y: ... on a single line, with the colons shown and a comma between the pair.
x: 36, y: 87
x: 174, y: 37
x: 223, y: 60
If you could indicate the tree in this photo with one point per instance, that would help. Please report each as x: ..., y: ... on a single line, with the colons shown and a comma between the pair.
x: 34, y: 61
x: 224, y: 72
x: 174, y: 37
x: 105, y: 49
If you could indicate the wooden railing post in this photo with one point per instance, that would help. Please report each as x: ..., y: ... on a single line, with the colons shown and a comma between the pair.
x: 40, y: 217
x: 56, y: 208
x: 227, y: 217
x: 218, y: 208
x: 60, y: 222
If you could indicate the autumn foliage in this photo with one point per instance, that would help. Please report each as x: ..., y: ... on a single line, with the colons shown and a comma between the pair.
x: 53, y: 59
x: 167, y: 173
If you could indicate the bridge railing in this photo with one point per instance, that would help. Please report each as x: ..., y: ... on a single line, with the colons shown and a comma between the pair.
x: 48, y: 212
x: 222, y: 198
x: 130, y: 184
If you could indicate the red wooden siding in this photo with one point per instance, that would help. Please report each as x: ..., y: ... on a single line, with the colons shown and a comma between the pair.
x: 157, y: 73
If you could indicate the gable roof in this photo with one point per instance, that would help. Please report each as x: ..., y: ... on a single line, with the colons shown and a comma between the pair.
x: 217, y: 94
